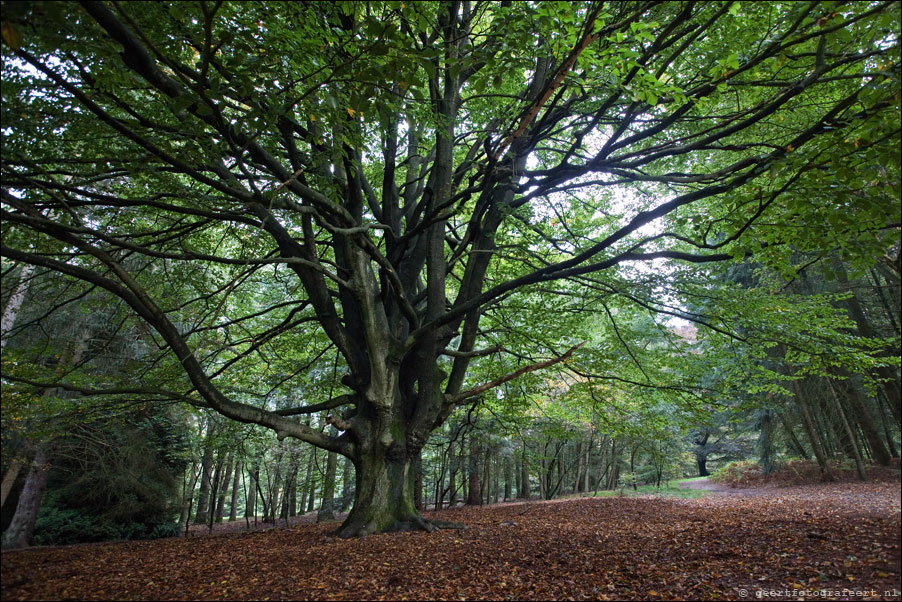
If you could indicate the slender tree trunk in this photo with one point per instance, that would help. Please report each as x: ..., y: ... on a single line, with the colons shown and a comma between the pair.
x: 307, y: 491
x: 203, y: 498
x: 578, y: 477
x: 486, y: 493
x: 21, y: 529
x: 474, y: 490
x: 461, y: 463
x: 418, y: 483
x: 224, y: 488
x: 347, y: 485
x: 863, y: 417
x: 233, y: 507
x: 793, y: 439
x: 275, y: 488
x: 211, y: 514
x: 859, y: 464
x: 810, y: 428
x: 524, y: 475
x: 765, y: 441
x: 250, y: 507
x: 508, y: 477
x: 292, y: 500
x: 327, y: 507
x: 614, y: 474
x: 188, y: 496
x: 260, y: 495
x: 889, y: 377
x: 452, y: 475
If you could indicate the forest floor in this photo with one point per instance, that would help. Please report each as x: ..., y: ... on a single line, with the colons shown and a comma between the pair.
x: 832, y: 541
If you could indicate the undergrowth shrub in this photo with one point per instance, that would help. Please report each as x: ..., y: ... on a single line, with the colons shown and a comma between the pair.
x: 735, y: 473
x: 798, y: 472
x: 61, y: 526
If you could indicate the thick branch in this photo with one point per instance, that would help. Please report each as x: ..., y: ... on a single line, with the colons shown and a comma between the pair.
x: 476, y: 391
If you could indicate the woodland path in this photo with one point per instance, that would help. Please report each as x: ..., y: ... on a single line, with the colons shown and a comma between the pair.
x: 707, y: 484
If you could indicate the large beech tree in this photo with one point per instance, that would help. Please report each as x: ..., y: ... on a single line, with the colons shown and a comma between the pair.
x: 366, y: 180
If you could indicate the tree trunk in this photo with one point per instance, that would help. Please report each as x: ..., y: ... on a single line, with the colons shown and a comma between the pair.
x: 861, y: 414
x: 524, y: 475
x: 508, y: 477
x: 233, y: 507
x: 203, y: 500
x: 474, y: 492
x: 452, y: 475
x: 217, y: 474
x: 11, y: 311
x: 250, y: 503
x: 614, y: 475
x: 307, y: 490
x: 486, y: 492
x: 21, y: 529
x: 580, y: 467
x: 859, y: 464
x: 9, y: 478
x: 810, y: 428
x: 793, y: 440
x: 886, y: 374
x: 701, y: 460
x: 327, y: 506
x: 292, y: 500
x: 383, y: 497
x: 347, y: 485
x: 223, y: 489
x: 261, y: 495
x: 418, y: 483
x: 765, y: 441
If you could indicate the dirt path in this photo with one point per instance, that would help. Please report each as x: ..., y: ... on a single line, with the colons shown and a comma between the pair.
x: 709, y: 485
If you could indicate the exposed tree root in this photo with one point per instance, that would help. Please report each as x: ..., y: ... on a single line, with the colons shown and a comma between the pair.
x: 413, y: 523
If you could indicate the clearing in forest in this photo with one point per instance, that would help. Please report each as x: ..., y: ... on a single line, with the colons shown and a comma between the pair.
x: 839, y: 540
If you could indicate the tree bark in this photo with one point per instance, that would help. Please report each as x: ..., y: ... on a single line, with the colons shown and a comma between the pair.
x: 810, y: 428
x: 307, y: 491
x: 21, y: 530
x: 793, y: 439
x: 887, y: 375
x: 11, y: 311
x: 347, y: 485
x: 233, y: 507
x: 859, y: 464
x: 508, y: 477
x: 224, y: 488
x: 203, y: 498
x: 10, y: 476
x: 327, y: 506
x: 863, y: 417
x: 765, y: 441
x: 474, y: 491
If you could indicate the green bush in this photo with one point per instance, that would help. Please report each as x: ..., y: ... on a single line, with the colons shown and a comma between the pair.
x: 735, y: 473
x: 61, y: 526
